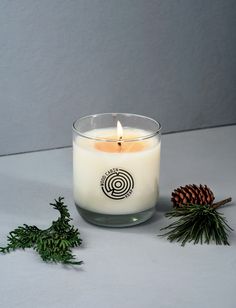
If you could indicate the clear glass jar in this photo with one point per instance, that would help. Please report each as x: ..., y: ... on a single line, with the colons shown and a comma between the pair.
x: 116, y: 162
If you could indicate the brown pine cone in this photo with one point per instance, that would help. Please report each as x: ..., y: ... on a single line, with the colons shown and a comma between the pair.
x: 192, y: 194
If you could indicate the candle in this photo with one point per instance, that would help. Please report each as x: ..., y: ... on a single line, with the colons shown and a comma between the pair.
x: 116, y: 170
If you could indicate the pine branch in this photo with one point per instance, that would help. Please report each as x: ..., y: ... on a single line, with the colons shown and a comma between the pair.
x: 220, y: 203
x: 53, y: 244
x: 197, y: 224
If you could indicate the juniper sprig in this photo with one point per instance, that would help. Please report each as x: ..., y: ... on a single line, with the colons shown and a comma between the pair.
x: 53, y: 244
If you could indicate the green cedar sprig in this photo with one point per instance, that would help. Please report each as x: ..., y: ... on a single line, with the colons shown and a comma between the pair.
x: 53, y: 244
x: 198, y: 224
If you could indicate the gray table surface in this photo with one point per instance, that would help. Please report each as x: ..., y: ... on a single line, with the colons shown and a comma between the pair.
x: 129, y: 267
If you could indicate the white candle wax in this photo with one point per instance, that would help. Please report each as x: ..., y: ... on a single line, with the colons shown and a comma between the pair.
x: 123, y: 181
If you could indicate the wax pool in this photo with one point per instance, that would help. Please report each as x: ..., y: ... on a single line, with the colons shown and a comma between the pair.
x: 112, y: 177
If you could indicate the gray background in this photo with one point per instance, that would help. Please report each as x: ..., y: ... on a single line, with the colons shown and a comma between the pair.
x: 60, y: 60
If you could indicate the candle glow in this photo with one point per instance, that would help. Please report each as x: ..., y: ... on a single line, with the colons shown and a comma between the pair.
x: 119, y: 132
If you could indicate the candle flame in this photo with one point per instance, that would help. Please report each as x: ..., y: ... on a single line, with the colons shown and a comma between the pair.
x: 119, y: 131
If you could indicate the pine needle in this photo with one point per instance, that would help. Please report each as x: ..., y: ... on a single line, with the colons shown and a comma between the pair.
x: 197, y: 224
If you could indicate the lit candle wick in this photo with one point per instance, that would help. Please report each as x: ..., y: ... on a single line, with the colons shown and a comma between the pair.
x: 119, y: 142
x: 119, y: 133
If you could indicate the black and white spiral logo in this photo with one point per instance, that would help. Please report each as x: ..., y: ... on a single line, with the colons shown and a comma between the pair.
x: 117, y: 183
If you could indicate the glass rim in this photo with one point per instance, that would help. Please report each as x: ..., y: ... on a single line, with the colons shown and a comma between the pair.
x: 147, y: 136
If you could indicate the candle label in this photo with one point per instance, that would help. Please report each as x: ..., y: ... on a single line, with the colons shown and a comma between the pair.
x: 117, y: 183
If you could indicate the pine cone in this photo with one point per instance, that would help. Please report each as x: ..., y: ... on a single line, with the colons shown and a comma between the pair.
x: 192, y: 194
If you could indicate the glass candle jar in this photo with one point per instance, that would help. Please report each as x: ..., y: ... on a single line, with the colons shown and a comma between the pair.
x: 116, y: 162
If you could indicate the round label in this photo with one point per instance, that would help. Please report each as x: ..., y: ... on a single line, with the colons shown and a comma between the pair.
x: 117, y: 183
